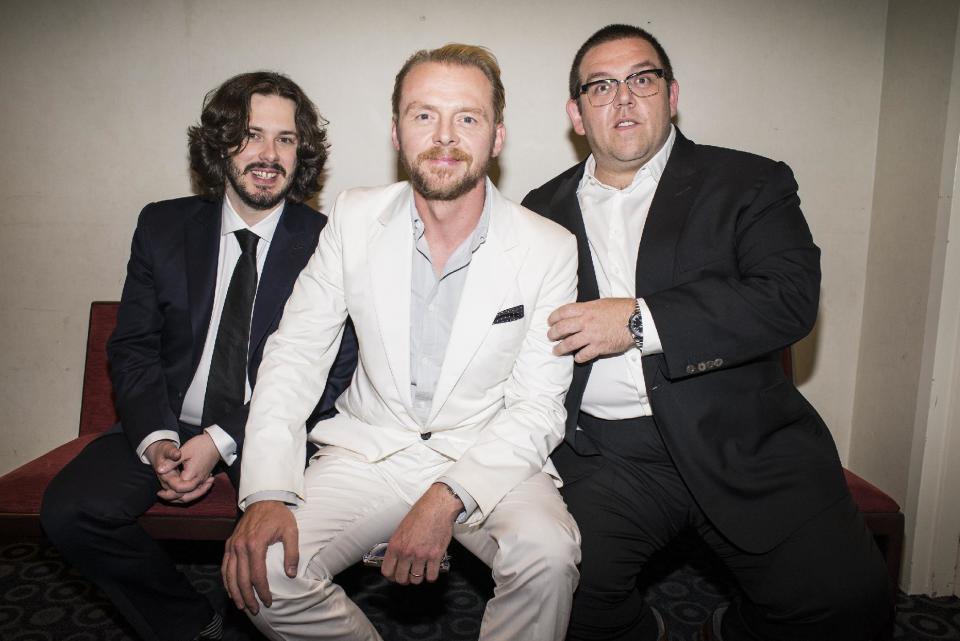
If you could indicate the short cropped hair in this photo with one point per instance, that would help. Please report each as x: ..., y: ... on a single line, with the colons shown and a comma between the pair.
x: 223, y: 129
x: 457, y: 54
x: 608, y: 34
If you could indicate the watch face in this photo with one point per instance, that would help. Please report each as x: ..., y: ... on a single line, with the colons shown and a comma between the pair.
x: 636, y: 325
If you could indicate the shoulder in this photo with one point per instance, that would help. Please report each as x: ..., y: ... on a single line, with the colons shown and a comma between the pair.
x: 733, y: 167
x: 538, y: 198
x: 539, y: 232
x: 366, y: 196
x: 302, y: 215
x: 176, y: 209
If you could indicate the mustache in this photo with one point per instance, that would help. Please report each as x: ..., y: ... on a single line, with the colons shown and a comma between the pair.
x: 436, y: 153
x: 265, y: 165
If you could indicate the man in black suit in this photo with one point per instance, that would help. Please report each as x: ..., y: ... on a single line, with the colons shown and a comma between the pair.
x: 206, y: 283
x: 696, y: 269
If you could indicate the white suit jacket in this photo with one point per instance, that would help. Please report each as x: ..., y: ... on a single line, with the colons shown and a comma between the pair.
x: 498, y: 407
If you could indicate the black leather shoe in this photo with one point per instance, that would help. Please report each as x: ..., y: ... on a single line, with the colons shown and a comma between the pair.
x: 710, y: 630
x: 663, y: 634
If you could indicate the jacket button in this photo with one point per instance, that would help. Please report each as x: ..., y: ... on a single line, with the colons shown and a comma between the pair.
x: 702, y: 366
x: 691, y: 369
x: 426, y: 436
x: 718, y: 362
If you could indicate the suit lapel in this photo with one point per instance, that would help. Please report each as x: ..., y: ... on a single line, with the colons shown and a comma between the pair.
x: 202, y: 247
x: 289, y: 243
x: 656, y: 257
x: 565, y: 209
x: 493, y: 267
x: 390, y: 258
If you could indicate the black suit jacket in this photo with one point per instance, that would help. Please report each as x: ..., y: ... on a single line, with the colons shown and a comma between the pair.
x: 166, y: 305
x: 730, y: 273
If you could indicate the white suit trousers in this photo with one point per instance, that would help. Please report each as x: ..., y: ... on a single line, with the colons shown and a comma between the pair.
x: 529, y: 540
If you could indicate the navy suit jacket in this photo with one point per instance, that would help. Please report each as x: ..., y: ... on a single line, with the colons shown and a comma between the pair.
x: 166, y: 305
x: 730, y: 273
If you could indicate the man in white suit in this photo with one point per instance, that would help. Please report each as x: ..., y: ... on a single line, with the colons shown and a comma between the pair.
x: 457, y: 400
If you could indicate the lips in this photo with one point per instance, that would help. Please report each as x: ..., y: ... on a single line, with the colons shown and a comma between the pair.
x: 623, y: 124
x: 265, y: 172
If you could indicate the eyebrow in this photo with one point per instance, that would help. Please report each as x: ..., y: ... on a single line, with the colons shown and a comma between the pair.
x: 457, y: 109
x: 603, y: 75
x: 285, y: 132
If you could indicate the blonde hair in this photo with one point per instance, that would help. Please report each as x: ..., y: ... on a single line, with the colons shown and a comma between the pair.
x: 457, y: 54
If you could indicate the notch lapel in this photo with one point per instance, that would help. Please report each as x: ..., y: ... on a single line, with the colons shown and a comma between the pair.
x: 202, y: 248
x: 656, y: 256
x: 492, y: 269
x: 286, y: 254
x: 390, y: 256
x: 565, y: 210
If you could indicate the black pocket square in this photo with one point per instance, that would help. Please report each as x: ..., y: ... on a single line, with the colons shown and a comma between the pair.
x: 507, y: 315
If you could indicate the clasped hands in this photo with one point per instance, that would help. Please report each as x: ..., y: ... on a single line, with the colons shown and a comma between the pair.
x: 413, y: 552
x: 183, y: 472
x: 592, y: 329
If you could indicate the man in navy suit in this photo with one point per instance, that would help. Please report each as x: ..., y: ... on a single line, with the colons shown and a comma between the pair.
x: 696, y: 269
x: 206, y: 283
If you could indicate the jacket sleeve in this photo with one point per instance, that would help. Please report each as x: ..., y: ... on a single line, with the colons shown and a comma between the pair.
x: 293, y: 373
x: 134, y: 347
x: 757, y: 296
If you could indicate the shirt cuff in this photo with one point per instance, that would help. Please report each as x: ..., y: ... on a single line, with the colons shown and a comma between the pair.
x: 224, y: 442
x: 651, y: 337
x: 469, y: 505
x: 289, y: 498
x: 153, y: 437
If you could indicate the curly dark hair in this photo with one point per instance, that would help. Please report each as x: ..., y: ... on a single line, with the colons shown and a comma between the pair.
x: 223, y: 129
x: 608, y: 34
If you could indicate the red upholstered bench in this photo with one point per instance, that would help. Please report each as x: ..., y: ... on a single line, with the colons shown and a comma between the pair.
x: 212, y: 517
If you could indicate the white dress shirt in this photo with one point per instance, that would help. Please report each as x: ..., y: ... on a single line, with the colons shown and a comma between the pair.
x: 192, y: 409
x: 614, y: 221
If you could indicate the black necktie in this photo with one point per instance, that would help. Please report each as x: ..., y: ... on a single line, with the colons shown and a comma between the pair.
x: 228, y: 368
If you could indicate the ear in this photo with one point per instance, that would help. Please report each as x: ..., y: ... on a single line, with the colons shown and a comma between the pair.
x: 573, y: 111
x: 674, y: 97
x: 393, y: 135
x: 499, y: 135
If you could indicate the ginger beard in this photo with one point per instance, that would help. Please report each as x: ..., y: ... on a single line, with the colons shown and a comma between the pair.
x: 435, y: 183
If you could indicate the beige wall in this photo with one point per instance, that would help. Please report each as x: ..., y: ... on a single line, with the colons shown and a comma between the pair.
x: 913, y: 117
x: 97, y: 95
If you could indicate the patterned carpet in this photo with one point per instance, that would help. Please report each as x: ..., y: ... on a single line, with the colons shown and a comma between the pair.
x: 43, y: 599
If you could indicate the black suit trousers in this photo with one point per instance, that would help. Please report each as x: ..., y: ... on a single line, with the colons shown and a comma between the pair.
x: 824, y: 582
x: 90, y: 512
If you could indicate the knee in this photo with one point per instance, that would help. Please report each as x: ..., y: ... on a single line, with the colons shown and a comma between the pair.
x: 59, y: 511
x: 865, y: 597
x: 548, y: 549
x: 310, y: 583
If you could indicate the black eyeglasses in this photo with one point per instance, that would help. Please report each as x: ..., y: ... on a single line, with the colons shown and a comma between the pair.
x: 641, y: 84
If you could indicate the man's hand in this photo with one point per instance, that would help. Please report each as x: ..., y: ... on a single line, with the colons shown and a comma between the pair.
x: 164, y: 457
x: 420, y: 541
x: 198, y: 457
x: 244, y: 566
x: 591, y: 329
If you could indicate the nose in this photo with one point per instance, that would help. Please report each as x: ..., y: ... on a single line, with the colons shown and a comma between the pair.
x: 268, y: 151
x: 624, y: 95
x: 446, y: 133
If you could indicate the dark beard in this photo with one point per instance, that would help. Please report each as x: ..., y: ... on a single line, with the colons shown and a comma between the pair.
x: 261, y: 201
x: 420, y: 182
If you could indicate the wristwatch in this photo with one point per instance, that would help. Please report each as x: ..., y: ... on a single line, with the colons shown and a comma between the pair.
x: 635, y: 325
